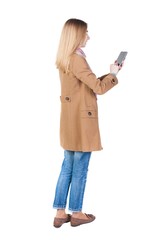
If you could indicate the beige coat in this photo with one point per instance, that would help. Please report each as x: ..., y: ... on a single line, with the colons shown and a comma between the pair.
x: 79, y: 126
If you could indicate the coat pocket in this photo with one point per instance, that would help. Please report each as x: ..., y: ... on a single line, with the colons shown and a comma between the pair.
x: 89, y: 114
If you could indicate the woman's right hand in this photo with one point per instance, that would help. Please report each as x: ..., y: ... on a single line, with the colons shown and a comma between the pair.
x: 114, y: 68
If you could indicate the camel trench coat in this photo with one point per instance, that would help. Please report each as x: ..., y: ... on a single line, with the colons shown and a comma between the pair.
x: 79, y: 126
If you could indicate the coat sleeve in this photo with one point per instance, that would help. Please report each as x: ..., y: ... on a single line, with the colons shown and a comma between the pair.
x: 81, y: 70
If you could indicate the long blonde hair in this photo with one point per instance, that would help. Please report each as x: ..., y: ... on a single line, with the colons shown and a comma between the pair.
x: 72, y: 36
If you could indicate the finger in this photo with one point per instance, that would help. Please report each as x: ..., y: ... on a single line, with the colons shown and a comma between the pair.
x: 120, y: 67
x: 123, y: 63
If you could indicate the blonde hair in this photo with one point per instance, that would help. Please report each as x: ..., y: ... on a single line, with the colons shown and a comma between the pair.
x: 72, y: 36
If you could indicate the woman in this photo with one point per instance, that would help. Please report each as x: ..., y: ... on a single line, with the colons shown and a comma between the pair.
x: 79, y: 128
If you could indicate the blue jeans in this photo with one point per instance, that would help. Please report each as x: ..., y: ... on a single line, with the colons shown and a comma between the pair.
x: 72, y: 180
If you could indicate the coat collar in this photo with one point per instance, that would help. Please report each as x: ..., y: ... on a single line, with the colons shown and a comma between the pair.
x: 80, y: 52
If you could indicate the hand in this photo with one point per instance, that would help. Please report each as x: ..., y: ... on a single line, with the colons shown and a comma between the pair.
x: 114, y: 68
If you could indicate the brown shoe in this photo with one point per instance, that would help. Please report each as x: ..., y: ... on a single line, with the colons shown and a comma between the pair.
x: 78, y: 221
x: 59, y: 221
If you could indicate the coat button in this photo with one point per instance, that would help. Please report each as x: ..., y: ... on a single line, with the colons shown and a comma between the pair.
x: 89, y: 113
x: 113, y: 81
x: 67, y: 98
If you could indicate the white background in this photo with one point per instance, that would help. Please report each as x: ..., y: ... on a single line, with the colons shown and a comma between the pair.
x: 125, y: 180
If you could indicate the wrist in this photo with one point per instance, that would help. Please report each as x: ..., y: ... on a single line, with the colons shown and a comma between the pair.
x: 114, y: 74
